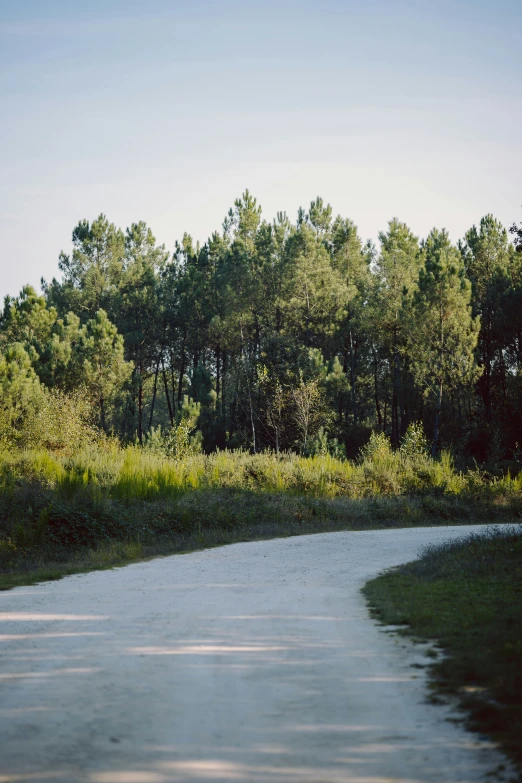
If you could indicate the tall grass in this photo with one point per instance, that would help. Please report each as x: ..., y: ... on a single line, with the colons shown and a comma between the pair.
x: 105, y: 497
x: 133, y: 474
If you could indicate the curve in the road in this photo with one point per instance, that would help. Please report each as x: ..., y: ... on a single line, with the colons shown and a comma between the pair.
x: 254, y: 662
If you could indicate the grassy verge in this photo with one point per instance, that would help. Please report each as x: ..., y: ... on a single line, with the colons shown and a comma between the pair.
x: 107, y: 505
x: 63, y: 536
x: 467, y: 597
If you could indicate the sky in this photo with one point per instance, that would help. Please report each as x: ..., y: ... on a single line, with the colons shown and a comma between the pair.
x: 167, y: 111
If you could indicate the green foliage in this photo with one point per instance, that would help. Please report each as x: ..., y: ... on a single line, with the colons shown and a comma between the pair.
x: 378, y: 448
x: 443, y: 334
x: 100, y: 364
x: 91, y: 273
x: 27, y: 320
x: 184, y: 440
x: 100, y: 504
x: 414, y: 442
x: 21, y: 396
x: 309, y: 411
x: 34, y: 417
x: 62, y: 423
x: 104, y: 469
x: 60, y: 526
x: 280, y: 329
x: 318, y: 298
x: 322, y: 445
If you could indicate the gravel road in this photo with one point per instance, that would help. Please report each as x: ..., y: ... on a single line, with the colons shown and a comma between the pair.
x: 252, y: 662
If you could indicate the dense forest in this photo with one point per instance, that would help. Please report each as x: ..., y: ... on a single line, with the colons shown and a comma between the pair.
x: 272, y: 335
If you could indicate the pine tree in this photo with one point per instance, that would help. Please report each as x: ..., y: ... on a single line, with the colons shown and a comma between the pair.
x: 486, y: 257
x: 315, y: 298
x: 136, y: 310
x: 396, y: 267
x: 100, y: 363
x: 443, y: 333
x: 92, y: 272
x: 21, y: 394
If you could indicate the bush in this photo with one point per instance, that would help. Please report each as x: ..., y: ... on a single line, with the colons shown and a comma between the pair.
x: 183, y: 439
x: 33, y: 417
x: 414, y: 442
x: 378, y: 449
x: 62, y: 423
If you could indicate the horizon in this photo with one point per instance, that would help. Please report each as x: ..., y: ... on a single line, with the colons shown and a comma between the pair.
x: 168, y: 115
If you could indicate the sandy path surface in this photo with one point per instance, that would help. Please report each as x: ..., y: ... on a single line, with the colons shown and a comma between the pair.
x: 253, y: 662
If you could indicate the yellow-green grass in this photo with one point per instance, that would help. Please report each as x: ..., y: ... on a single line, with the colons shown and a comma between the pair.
x: 133, y: 473
x: 59, y: 508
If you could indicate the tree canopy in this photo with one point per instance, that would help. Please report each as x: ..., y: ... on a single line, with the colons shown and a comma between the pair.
x: 283, y: 335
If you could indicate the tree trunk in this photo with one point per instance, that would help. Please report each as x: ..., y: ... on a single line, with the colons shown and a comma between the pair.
x: 223, y: 386
x: 167, y: 395
x: 173, y: 383
x: 352, y: 378
x: 130, y: 423
x: 251, y: 406
x: 155, y: 388
x: 218, y: 378
x: 503, y: 375
x: 376, y: 389
x: 181, y: 373
x: 395, y: 434
x: 252, y: 422
x: 257, y: 338
x: 233, y: 407
x: 435, y: 443
x: 405, y: 389
x: 102, y: 414
x: 345, y: 355
x: 486, y: 377
x: 140, y: 409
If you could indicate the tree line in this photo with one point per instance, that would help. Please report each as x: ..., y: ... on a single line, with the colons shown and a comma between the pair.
x: 279, y: 335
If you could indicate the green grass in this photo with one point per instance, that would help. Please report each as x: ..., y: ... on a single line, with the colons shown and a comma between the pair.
x: 133, y: 474
x: 466, y: 596
x: 107, y: 507
x: 65, y: 537
x: 57, y: 510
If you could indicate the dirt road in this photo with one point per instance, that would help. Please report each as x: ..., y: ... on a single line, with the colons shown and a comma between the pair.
x: 253, y: 662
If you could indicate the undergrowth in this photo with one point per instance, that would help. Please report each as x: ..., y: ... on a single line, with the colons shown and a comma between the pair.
x: 61, y: 508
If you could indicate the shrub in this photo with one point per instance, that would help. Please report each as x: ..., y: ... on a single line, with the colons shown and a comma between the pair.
x: 378, y: 448
x: 414, y: 442
x: 183, y: 439
x: 33, y: 417
x: 63, y: 424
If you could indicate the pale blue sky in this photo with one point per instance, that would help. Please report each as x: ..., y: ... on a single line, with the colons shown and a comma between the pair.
x: 166, y: 111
